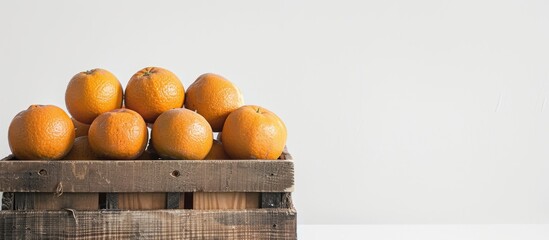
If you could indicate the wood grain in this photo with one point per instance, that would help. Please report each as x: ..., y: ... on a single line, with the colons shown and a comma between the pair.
x: 50, y: 201
x: 158, y: 224
x: 141, y: 201
x: 237, y: 200
x: 276, y: 200
x: 225, y: 200
x: 161, y: 175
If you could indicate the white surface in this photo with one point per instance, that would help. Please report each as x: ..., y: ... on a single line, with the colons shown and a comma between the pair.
x: 425, y: 232
x: 398, y: 111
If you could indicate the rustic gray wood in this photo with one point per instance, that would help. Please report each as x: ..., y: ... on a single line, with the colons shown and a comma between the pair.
x: 161, y: 175
x: 276, y: 200
x: 287, y: 201
x: 158, y: 224
x: 272, y: 179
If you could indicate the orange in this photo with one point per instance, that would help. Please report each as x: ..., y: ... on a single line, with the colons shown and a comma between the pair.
x: 41, y: 132
x: 81, y: 128
x: 213, y: 97
x: 81, y: 150
x: 253, y: 132
x: 217, y: 152
x: 118, y: 134
x: 152, y: 91
x: 91, y: 93
x: 182, y: 134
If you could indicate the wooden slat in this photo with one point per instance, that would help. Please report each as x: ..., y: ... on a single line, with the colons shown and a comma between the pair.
x: 225, y: 200
x: 253, y: 200
x: 161, y: 175
x: 141, y: 201
x: 49, y: 201
x: 275, y: 200
x: 158, y: 224
x: 233, y: 200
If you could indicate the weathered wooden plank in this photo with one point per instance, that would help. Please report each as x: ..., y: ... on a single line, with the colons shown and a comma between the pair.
x: 232, y: 200
x: 158, y: 224
x: 50, y: 201
x: 275, y: 200
x: 161, y: 175
x: 287, y: 201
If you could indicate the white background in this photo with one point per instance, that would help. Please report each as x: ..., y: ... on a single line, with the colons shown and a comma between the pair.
x: 397, y: 111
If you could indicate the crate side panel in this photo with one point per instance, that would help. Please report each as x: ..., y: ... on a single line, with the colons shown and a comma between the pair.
x: 160, y: 224
x: 163, y: 175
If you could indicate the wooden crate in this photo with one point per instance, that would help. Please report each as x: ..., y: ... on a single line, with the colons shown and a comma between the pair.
x: 50, y: 199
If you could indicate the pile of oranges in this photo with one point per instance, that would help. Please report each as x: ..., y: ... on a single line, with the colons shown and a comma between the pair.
x: 109, y: 122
